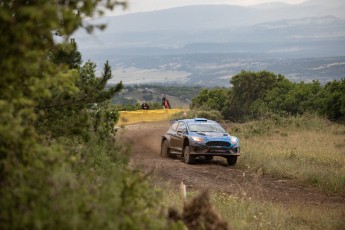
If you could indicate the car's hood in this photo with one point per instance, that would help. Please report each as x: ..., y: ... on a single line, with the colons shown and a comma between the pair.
x: 212, y: 135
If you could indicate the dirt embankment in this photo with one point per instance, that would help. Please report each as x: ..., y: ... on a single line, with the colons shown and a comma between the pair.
x: 215, y: 175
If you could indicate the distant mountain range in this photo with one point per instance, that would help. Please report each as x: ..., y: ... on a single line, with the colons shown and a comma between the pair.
x: 172, y: 39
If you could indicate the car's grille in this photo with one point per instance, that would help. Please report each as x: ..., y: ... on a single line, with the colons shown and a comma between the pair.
x: 218, y: 143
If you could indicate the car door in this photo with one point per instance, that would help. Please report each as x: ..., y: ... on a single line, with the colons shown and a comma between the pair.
x: 172, y: 132
x: 181, y: 131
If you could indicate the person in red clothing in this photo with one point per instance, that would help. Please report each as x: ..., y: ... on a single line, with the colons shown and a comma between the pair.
x: 163, y: 101
x: 167, y: 104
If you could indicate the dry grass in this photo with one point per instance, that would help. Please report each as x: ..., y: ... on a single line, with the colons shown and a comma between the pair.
x: 247, y: 213
x: 307, y: 149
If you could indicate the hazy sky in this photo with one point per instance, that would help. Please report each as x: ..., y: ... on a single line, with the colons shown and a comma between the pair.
x: 149, y: 5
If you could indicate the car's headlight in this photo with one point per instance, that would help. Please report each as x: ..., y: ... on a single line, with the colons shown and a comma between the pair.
x: 198, y: 139
x: 233, y: 140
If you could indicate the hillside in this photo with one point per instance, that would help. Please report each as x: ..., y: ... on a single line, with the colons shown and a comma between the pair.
x: 179, y: 96
x: 207, y: 44
x: 216, y: 69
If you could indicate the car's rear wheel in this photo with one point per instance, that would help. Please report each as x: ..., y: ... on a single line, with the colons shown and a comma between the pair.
x: 188, y: 158
x: 165, y: 151
x: 208, y: 158
x: 231, y: 160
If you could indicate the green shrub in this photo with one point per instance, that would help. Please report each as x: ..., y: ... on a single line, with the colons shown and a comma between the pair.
x: 212, y: 115
x: 77, y: 185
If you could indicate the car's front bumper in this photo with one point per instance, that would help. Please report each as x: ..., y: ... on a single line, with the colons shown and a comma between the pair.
x: 203, y: 150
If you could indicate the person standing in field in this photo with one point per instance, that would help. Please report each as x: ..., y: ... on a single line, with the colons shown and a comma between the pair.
x: 144, y: 106
x: 163, y: 101
x: 167, y: 104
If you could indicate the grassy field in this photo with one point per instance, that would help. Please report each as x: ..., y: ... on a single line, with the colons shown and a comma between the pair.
x: 247, y: 213
x: 308, y: 150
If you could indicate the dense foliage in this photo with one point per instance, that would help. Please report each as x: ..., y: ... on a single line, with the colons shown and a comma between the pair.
x: 257, y: 94
x: 59, y: 165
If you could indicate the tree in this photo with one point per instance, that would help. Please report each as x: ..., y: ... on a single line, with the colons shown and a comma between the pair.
x: 257, y: 94
x: 68, y: 114
x: 67, y: 55
x: 59, y: 168
x: 249, y: 87
x: 28, y: 77
x: 333, y: 100
x: 213, y: 99
x: 302, y: 97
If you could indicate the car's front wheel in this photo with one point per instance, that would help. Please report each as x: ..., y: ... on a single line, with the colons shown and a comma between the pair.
x: 231, y: 160
x: 188, y: 158
x: 165, y: 151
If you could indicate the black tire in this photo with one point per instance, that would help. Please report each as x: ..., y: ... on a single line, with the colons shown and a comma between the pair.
x: 231, y: 160
x: 165, y: 151
x: 188, y: 158
x: 208, y: 158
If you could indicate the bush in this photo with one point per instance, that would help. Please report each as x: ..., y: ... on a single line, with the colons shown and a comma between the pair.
x: 79, y: 186
x: 212, y: 115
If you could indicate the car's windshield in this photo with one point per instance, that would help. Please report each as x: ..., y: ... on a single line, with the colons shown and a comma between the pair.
x: 198, y: 127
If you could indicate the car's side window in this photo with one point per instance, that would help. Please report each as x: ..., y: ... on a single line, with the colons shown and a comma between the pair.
x: 174, y: 126
x: 182, y: 127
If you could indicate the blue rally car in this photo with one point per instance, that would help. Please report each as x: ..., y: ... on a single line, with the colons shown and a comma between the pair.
x: 199, y: 137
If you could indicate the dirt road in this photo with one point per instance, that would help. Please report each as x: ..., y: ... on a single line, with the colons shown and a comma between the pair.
x: 215, y: 175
